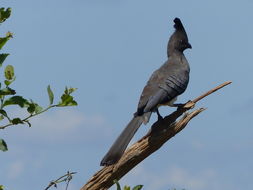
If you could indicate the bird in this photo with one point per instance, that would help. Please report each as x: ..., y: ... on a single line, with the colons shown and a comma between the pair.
x: 162, y: 88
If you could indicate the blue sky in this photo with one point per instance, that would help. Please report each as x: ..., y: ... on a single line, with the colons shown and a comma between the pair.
x: 108, y: 51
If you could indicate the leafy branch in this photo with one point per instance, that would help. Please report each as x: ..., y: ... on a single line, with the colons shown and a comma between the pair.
x: 8, y: 96
x: 33, y: 108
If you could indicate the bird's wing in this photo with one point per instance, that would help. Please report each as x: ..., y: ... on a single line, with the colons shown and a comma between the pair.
x: 164, y: 85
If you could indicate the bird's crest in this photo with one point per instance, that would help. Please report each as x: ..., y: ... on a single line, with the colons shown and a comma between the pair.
x: 178, y: 24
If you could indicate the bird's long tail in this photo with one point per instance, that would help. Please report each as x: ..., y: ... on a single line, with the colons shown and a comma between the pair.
x: 120, y: 145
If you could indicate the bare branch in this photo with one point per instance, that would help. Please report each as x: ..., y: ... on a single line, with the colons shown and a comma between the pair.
x: 211, y: 91
x: 67, y: 177
x: 161, y: 131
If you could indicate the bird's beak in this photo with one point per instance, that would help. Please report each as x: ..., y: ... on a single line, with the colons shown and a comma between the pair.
x: 189, y: 46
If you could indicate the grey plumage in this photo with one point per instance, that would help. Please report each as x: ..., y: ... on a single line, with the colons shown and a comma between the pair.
x: 164, y: 85
x: 120, y: 145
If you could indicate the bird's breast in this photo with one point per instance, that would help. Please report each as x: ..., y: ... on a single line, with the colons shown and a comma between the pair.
x: 169, y: 103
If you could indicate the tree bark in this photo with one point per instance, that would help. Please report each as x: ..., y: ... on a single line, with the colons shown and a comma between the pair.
x: 161, y: 131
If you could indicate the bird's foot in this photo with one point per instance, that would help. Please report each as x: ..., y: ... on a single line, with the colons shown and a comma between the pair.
x: 188, y: 105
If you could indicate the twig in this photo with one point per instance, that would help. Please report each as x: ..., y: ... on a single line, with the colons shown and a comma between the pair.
x: 67, y: 177
x: 28, y: 117
x: 211, y: 91
x: 161, y: 132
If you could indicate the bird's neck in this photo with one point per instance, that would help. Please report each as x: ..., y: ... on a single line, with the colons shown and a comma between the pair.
x: 174, y: 52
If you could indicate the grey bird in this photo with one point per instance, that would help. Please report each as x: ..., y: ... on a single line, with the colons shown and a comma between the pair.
x: 163, y: 87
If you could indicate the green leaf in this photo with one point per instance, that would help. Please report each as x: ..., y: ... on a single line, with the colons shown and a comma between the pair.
x: 1, y: 187
x: 117, y: 184
x: 9, y: 72
x: 38, y: 108
x: 3, y: 145
x: 67, y: 99
x: 127, y: 188
x: 5, y: 39
x: 3, y: 42
x: 16, y: 100
x: 2, y: 58
x: 138, y: 187
x: 50, y: 95
x: 31, y: 108
x: 7, y: 91
x: 34, y: 107
x: 3, y: 112
x: 8, y: 82
x: 4, y: 14
x: 71, y: 90
x: 17, y: 121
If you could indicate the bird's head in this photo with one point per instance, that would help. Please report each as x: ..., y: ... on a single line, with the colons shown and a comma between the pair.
x: 179, y: 40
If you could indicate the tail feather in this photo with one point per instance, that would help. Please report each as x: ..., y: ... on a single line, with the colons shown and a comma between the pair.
x: 120, y: 145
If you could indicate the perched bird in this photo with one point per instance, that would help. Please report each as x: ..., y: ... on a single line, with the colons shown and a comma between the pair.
x: 163, y: 87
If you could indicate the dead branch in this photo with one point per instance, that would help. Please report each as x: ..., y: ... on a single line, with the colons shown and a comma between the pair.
x: 161, y: 131
x: 65, y: 178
